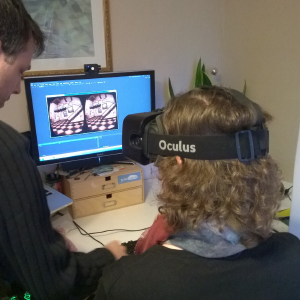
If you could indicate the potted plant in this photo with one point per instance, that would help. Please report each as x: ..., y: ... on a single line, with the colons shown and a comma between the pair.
x: 201, y: 78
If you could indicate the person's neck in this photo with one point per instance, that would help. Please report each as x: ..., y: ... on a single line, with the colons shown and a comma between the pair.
x: 208, y: 241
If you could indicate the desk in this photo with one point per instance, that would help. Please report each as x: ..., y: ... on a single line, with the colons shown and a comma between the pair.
x: 132, y: 217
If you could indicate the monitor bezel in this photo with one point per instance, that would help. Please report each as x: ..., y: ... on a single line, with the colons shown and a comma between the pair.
x: 88, y: 159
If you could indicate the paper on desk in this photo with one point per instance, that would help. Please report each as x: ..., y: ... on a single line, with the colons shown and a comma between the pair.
x: 285, y: 203
x: 280, y: 226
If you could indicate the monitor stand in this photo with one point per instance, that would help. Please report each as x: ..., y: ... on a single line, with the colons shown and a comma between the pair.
x: 92, y: 162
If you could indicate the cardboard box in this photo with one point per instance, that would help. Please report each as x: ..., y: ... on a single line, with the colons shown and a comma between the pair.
x: 96, y: 194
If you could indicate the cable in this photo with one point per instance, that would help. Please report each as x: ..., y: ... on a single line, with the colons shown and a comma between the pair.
x: 80, y: 228
x: 77, y: 172
x: 287, y: 192
x: 104, y: 231
x: 117, y: 230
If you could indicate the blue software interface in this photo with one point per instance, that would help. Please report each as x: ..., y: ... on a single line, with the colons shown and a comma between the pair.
x: 80, y: 117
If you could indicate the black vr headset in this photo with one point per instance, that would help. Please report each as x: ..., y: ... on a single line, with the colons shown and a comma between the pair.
x: 144, y: 139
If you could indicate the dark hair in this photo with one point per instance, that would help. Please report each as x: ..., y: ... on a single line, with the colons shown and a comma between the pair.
x: 227, y: 192
x: 16, y: 29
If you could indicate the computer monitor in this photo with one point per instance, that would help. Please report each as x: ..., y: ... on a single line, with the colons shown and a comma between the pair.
x: 76, y: 120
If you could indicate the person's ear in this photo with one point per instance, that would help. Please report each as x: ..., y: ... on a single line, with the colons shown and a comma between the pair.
x: 179, y: 160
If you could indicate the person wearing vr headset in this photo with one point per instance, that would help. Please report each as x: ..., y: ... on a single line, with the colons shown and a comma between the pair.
x: 213, y: 238
x: 33, y: 256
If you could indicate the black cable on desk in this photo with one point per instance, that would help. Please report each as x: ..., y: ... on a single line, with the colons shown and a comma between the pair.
x: 104, y: 231
x: 287, y: 192
x: 86, y: 233
x: 117, y: 230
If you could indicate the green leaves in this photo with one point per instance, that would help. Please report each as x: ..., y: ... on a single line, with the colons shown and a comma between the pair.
x: 201, y: 78
x: 201, y: 75
x: 245, y: 87
x: 206, y: 80
x: 171, y: 89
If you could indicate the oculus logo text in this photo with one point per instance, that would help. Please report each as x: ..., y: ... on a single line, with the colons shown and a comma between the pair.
x: 163, y: 145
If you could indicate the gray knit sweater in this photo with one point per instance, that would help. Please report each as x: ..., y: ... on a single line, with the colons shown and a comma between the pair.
x: 31, y: 252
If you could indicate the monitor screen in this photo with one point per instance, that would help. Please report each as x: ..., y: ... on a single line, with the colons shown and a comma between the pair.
x: 79, y: 117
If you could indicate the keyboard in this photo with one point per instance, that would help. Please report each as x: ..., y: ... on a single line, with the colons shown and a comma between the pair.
x: 130, y: 246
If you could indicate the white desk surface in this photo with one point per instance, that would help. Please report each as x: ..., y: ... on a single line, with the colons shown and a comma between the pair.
x: 132, y: 217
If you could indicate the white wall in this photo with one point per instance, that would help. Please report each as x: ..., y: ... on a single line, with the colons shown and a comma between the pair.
x: 261, y: 45
x: 168, y: 36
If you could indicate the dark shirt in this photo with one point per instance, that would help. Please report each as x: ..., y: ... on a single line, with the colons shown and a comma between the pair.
x: 31, y: 252
x: 269, y: 271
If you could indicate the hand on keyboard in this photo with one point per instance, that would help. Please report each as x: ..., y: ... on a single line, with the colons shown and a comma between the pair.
x: 130, y: 245
x: 116, y: 249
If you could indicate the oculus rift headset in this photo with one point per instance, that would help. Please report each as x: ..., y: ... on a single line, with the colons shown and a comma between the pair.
x: 144, y: 139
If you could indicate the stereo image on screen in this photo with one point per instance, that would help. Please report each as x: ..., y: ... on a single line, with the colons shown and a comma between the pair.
x: 82, y: 113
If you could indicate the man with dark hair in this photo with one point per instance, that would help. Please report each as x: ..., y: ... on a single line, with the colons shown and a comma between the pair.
x: 32, y: 254
x: 20, y: 39
x: 16, y: 29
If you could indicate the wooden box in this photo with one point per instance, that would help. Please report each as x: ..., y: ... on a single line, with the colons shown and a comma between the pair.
x: 96, y: 194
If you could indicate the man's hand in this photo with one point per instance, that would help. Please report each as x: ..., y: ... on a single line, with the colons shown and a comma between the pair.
x: 116, y: 249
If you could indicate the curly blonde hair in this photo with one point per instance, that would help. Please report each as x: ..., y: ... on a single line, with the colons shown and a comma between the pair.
x: 228, y: 192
